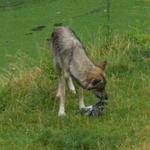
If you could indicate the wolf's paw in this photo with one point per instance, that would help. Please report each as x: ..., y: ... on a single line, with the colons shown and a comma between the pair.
x: 73, y: 91
x: 61, y: 114
x: 58, y: 95
x: 86, y: 110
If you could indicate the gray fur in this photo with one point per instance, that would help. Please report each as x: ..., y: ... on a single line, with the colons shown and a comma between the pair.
x: 71, y: 61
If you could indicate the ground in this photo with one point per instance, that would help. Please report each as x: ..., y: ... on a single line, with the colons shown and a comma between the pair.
x: 28, y: 82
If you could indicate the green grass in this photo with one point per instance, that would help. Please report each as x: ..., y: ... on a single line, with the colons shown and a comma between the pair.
x: 28, y: 107
x: 84, y: 16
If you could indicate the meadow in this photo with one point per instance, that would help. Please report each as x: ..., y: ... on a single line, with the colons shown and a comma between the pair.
x: 29, y: 108
x: 28, y: 82
x: 19, y: 18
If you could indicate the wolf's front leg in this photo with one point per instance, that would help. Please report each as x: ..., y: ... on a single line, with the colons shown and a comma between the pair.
x: 71, y: 85
x: 81, y: 98
x: 58, y: 90
x: 62, y: 96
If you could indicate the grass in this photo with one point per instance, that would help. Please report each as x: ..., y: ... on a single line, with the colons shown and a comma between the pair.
x: 18, y: 18
x: 28, y: 107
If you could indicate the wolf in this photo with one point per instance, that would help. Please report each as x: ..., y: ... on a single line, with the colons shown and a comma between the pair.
x: 72, y: 62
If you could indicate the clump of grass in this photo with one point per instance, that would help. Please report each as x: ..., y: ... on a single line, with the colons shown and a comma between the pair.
x: 29, y: 109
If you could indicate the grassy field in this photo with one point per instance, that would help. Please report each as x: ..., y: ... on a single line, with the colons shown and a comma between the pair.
x: 29, y: 109
x: 28, y: 83
x: 18, y: 18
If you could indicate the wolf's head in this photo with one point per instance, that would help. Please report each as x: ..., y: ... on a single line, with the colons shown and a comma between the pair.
x: 98, y: 81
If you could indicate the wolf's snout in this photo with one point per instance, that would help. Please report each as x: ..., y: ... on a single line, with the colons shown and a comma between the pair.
x: 105, y: 96
x: 101, y: 95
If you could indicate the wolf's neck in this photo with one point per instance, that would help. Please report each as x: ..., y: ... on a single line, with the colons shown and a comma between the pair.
x: 81, y: 67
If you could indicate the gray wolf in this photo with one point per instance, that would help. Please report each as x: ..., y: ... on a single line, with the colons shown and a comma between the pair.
x: 72, y: 62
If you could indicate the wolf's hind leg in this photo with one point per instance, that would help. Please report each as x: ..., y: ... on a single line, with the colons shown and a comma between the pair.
x: 58, y: 70
x: 61, y: 89
x: 81, y: 98
x: 71, y: 85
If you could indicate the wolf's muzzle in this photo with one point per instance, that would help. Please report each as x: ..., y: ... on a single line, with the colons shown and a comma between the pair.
x: 101, y: 95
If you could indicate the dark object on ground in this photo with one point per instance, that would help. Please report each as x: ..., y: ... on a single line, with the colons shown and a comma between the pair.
x: 38, y: 28
x: 48, y: 39
x: 28, y: 33
x: 94, y: 110
x: 58, y: 24
x: 10, y: 4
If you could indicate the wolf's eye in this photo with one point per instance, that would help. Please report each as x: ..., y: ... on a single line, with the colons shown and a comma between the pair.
x: 97, y: 82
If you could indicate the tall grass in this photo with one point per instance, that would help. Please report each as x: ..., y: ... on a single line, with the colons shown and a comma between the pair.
x: 28, y: 107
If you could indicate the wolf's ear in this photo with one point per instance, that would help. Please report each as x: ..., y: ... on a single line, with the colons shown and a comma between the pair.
x: 102, y: 65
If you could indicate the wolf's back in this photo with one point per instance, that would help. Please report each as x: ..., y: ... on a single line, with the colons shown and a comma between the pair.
x: 64, y: 39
